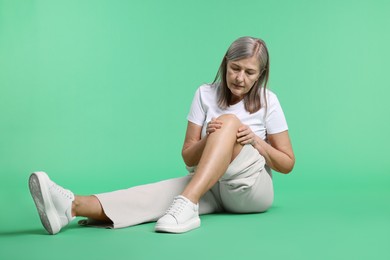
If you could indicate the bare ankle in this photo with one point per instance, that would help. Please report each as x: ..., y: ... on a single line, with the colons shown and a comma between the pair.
x: 75, y: 205
x: 193, y: 199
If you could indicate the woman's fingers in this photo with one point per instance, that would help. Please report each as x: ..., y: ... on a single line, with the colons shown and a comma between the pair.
x: 243, y: 131
x: 245, y: 135
x: 213, y: 125
x: 244, y: 140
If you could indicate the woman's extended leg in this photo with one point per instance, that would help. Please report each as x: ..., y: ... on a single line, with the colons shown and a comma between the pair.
x: 90, y: 207
x: 57, y: 206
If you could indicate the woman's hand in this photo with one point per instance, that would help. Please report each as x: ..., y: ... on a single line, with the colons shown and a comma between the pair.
x: 213, y: 125
x: 278, y: 152
x: 246, y: 136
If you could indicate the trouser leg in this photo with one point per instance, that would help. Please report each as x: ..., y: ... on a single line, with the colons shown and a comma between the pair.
x: 146, y: 203
x: 247, y: 184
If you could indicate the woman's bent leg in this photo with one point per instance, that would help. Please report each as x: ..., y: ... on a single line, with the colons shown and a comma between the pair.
x: 220, y: 150
x: 247, y: 186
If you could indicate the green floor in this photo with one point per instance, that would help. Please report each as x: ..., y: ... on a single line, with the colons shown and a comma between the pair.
x: 340, y: 220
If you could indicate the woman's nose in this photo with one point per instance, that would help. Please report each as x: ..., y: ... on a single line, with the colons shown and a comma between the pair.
x: 240, y: 76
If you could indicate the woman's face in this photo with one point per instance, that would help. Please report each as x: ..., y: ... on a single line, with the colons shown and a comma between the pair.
x: 241, y: 75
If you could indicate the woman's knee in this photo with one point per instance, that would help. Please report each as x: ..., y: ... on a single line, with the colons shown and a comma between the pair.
x: 230, y: 119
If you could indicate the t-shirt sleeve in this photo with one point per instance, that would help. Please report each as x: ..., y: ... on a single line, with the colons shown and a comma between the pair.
x: 275, y: 119
x: 197, y: 114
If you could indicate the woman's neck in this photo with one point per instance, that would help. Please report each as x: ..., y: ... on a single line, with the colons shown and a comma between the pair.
x: 235, y: 99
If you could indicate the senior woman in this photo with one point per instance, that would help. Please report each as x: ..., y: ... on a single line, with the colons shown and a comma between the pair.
x: 236, y: 134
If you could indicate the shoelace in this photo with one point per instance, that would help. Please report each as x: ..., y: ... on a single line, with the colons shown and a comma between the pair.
x: 176, y: 207
x: 65, y: 193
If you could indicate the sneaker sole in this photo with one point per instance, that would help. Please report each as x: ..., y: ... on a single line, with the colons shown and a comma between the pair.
x: 40, y: 194
x: 195, y: 223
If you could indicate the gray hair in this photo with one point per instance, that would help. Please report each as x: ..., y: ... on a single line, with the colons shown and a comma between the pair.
x: 245, y: 47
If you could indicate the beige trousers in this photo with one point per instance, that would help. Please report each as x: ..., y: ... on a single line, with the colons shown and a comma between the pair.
x: 246, y: 187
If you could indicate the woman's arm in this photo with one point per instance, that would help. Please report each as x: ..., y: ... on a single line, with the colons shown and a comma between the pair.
x: 193, y: 144
x: 278, y: 153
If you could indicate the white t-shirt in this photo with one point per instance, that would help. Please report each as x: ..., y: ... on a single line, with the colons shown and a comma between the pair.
x: 205, y: 106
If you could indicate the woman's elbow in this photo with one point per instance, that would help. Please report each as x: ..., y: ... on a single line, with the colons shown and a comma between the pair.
x: 187, y: 159
x: 285, y: 171
x: 288, y: 167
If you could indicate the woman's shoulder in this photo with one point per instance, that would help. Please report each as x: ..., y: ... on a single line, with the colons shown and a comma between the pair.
x: 270, y: 95
x: 207, y: 89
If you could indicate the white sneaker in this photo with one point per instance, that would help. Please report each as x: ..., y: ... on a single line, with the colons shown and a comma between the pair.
x: 182, y: 216
x: 54, y: 203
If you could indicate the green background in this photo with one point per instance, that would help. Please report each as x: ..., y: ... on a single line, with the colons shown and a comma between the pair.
x: 96, y: 93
